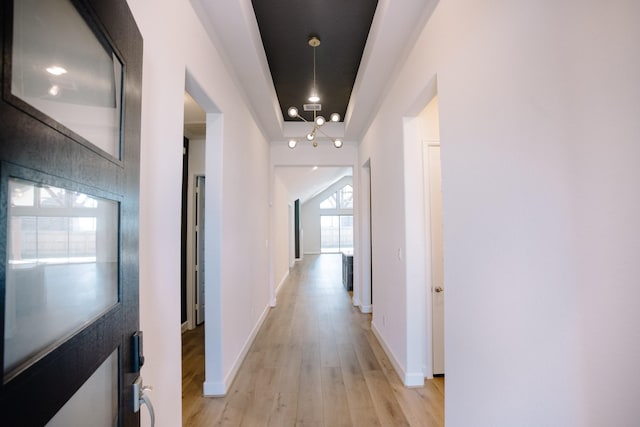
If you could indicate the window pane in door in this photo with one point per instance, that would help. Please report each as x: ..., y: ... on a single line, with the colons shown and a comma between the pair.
x: 61, y: 267
x: 60, y: 68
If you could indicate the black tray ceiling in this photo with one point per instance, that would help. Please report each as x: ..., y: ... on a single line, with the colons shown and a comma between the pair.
x: 285, y: 28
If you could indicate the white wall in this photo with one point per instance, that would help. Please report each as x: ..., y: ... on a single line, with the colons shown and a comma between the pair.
x: 310, y: 215
x: 429, y: 124
x: 539, y: 134
x: 282, y: 238
x: 237, y: 164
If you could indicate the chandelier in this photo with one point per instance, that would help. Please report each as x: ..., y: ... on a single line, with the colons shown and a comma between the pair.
x: 315, y: 106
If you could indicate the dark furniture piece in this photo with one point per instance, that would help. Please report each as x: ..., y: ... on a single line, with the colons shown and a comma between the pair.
x: 347, y: 269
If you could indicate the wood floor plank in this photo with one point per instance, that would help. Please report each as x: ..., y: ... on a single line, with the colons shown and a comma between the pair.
x: 415, y: 405
x: 314, y: 362
x: 285, y: 407
x: 361, y: 406
x: 334, y: 399
x: 366, y: 356
x: 387, y: 407
x: 309, y: 409
x: 262, y: 398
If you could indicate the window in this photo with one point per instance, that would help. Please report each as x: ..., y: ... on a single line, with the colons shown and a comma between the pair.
x: 341, y: 199
x: 329, y: 202
x: 336, y: 233
x: 336, y: 221
x: 346, y: 197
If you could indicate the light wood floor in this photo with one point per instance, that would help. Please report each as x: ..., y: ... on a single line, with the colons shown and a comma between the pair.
x: 315, y: 362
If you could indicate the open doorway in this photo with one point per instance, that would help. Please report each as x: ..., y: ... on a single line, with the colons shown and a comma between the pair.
x: 315, y: 203
x: 430, y: 134
x: 192, y: 247
x: 192, y: 270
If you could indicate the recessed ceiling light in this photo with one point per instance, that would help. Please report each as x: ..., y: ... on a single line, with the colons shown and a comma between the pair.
x: 314, y: 168
x: 56, y: 70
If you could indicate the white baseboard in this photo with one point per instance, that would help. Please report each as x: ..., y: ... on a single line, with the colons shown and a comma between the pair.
x: 409, y: 379
x: 286, y: 275
x: 355, y: 301
x: 216, y: 388
x: 185, y: 327
x: 366, y: 309
x: 428, y: 373
x: 313, y: 253
x: 414, y: 379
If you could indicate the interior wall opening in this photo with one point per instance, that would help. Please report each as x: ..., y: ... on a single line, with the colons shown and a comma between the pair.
x: 192, y: 271
x: 434, y: 259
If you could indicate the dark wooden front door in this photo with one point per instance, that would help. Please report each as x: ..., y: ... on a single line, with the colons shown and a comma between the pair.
x: 69, y: 191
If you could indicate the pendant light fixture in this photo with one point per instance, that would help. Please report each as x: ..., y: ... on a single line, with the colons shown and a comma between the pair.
x: 314, y: 106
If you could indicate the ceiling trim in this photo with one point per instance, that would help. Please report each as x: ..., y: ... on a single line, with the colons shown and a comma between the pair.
x: 233, y: 29
x: 394, y: 31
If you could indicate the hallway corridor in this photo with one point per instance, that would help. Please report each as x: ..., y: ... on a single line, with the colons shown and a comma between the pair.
x: 314, y: 362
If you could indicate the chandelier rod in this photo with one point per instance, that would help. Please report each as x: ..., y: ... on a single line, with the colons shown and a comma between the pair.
x: 314, y: 71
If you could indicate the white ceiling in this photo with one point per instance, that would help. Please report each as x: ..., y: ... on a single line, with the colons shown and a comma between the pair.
x: 306, y: 182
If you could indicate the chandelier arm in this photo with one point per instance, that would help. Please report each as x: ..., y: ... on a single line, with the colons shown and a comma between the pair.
x: 337, y: 142
x: 330, y: 137
x: 302, y: 118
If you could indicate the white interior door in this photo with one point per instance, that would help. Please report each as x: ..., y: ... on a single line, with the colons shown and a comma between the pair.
x: 437, y: 258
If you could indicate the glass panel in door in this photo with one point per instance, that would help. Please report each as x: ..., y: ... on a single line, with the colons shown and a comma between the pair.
x: 61, y: 267
x: 62, y: 69
x: 96, y: 402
